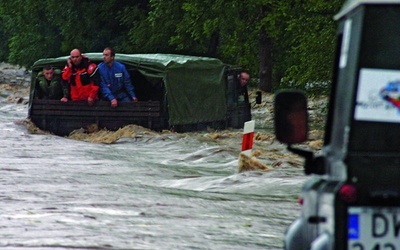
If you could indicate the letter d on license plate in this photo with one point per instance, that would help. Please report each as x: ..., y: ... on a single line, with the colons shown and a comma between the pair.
x: 373, y: 228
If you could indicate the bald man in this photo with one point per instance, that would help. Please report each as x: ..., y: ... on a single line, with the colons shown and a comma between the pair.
x: 81, y: 78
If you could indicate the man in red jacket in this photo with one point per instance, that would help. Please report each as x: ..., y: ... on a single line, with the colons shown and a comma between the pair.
x: 81, y: 77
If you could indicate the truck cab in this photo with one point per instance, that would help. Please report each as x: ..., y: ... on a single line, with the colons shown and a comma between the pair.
x: 352, y: 200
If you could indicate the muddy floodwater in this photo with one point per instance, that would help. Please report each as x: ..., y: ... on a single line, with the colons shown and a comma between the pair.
x: 144, y: 191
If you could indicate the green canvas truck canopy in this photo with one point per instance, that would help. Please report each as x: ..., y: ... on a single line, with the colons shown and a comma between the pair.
x: 195, y: 87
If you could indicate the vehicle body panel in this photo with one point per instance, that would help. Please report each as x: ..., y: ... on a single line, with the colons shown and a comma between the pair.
x: 359, y: 165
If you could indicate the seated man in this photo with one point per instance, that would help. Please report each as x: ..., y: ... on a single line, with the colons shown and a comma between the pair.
x: 48, y: 84
x: 115, y: 84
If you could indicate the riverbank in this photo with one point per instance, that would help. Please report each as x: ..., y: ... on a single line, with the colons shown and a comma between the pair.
x: 14, y: 84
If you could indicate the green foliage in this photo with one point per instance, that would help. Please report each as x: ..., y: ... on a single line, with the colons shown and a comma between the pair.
x: 311, y: 43
x: 22, y: 34
x: 150, y: 27
x: 40, y: 29
x: 302, y: 33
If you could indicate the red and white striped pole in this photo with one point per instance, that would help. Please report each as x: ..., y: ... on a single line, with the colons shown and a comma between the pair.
x: 248, y: 137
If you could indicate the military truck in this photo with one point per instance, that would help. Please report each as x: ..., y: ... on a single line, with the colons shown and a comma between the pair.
x: 352, y: 199
x: 175, y: 92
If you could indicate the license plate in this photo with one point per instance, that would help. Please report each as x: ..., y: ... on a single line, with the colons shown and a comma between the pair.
x: 373, y: 228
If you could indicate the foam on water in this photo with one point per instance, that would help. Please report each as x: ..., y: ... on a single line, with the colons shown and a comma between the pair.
x: 138, y: 189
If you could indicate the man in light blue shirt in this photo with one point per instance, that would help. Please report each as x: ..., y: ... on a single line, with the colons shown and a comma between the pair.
x: 115, y: 84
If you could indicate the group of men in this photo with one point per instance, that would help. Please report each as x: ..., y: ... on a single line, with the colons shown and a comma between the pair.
x: 83, y: 80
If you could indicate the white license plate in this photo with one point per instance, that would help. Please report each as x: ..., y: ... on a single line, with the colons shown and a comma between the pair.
x: 373, y: 228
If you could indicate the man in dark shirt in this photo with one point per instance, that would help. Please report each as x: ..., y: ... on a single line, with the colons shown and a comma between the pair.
x: 48, y: 84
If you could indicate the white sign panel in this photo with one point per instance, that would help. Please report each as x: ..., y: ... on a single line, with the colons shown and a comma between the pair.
x: 378, y: 96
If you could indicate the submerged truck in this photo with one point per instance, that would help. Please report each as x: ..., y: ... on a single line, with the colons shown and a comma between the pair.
x: 352, y: 199
x: 176, y: 92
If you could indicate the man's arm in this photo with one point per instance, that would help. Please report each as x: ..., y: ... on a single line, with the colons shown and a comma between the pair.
x: 128, y: 84
x: 94, y: 75
x: 38, y: 90
x: 103, y: 84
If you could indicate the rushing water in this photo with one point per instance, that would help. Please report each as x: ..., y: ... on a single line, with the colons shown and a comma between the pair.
x: 164, y: 191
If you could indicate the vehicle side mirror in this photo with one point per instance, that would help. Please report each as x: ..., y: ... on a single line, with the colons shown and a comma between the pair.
x: 291, y: 117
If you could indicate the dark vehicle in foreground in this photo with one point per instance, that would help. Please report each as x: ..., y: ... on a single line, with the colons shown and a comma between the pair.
x: 178, y: 92
x: 352, y: 200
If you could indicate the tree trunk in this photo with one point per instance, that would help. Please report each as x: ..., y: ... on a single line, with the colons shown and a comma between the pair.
x: 213, y: 45
x: 265, y: 44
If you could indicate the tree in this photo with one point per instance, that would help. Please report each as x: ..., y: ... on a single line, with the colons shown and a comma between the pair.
x: 310, y: 39
x: 46, y: 28
x: 216, y: 28
x: 30, y: 36
x: 280, y: 43
x: 150, y: 26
